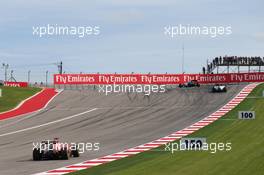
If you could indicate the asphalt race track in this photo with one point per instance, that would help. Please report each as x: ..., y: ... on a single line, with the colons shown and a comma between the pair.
x: 116, y: 121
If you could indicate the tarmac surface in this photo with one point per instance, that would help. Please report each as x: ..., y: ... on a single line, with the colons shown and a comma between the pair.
x: 117, y: 122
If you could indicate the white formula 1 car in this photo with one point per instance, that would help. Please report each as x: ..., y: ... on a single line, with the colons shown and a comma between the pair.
x: 219, y: 88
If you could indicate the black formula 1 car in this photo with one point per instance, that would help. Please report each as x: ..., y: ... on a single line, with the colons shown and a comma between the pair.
x: 192, y: 83
x: 219, y: 88
x: 54, y: 150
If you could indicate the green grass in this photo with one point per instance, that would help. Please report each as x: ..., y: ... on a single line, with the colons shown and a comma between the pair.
x: 245, y: 158
x: 12, y: 96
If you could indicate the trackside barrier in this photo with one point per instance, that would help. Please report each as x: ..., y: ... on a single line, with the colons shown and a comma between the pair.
x: 166, y: 79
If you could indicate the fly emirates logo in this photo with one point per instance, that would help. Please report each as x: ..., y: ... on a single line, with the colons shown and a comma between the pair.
x: 247, y: 77
x: 69, y: 79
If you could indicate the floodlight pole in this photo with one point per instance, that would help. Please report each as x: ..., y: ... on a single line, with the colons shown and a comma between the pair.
x: 5, y: 66
x: 29, y: 76
x: 60, y: 67
x: 47, y: 73
x: 183, y: 58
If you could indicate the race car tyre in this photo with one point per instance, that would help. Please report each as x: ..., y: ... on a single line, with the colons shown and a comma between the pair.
x: 64, y: 154
x: 36, y: 154
x: 75, y: 153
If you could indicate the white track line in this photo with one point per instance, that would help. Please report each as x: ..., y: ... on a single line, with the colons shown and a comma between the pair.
x: 154, y: 144
x: 49, y: 123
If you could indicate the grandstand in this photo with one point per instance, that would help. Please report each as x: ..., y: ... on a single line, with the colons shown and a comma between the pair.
x: 235, y: 62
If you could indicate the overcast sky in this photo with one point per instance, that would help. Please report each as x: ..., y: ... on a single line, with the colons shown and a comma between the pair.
x: 131, y: 35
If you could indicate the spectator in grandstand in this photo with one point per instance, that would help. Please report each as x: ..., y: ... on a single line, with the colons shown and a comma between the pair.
x: 203, y: 70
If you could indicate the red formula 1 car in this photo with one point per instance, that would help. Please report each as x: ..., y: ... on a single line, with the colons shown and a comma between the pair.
x: 54, y: 150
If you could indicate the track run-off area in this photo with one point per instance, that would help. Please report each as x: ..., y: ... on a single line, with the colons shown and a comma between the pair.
x: 117, y: 121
